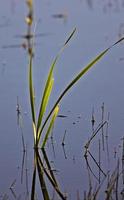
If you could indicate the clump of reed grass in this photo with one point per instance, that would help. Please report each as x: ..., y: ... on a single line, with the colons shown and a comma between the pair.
x: 38, y: 124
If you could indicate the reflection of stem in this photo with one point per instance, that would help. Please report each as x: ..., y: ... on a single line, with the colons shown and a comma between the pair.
x: 18, y: 111
x: 13, y: 193
x: 49, y: 167
x: 112, y: 183
x: 63, y: 147
x: 40, y: 163
x: 12, y: 190
x: 53, y: 147
x: 99, y: 187
x: 22, y: 168
x: 96, y: 163
x: 90, y: 170
x: 41, y: 179
x: 33, y: 180
x: 123, y: 161
x: 107, y: 146
x: 99, y: 161
x: 63, y: 144
x: 63, y: 140
x: 27, y: 175
x: 93, y: 120
x: 117, y: 182
x: 102, y: 107
x: 20, y: 123
x: 13, y: 183
x: 94, y: 134
x: 92, y: 195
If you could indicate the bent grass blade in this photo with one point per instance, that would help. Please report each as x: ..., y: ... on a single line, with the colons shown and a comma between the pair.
x: 70, y: 85
x: 75, y: 80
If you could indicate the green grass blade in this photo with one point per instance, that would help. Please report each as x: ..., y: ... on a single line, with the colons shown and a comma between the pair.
x: 34, y: 132
x: 86, y: 69
x: 70, y: 85
x: 50, y: 75
x: 55, y: 113
x: 46, y: 94
x: 31, y: 91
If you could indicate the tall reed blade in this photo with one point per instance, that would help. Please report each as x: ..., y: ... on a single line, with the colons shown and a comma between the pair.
x: 31, y: 91
x: 45, y: 101
x: 46, y: 94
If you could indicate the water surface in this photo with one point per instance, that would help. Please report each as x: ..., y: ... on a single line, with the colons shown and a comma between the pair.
x: 99, y: 24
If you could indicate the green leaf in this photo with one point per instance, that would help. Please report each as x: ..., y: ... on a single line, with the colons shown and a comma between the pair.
x: 34, y: 132
x: 55, y: 113
x: 46, y: 93
x: 45, y: 101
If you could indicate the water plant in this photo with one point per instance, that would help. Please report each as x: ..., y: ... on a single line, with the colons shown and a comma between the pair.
x: 38, y: 124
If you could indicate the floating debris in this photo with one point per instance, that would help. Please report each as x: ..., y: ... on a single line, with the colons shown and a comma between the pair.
x: 62, y: 16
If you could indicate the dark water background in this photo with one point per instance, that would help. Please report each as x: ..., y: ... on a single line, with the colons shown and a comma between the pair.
x: 99, y: 24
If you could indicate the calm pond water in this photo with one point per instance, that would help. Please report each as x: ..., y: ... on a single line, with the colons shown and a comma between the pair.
x: 98, y: 94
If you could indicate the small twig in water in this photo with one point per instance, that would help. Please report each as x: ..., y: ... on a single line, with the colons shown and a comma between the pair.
x: 103, y: 108
x: 63, y: 140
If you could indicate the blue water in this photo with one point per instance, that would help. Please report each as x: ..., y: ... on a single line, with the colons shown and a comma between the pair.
x: 99, y: 24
